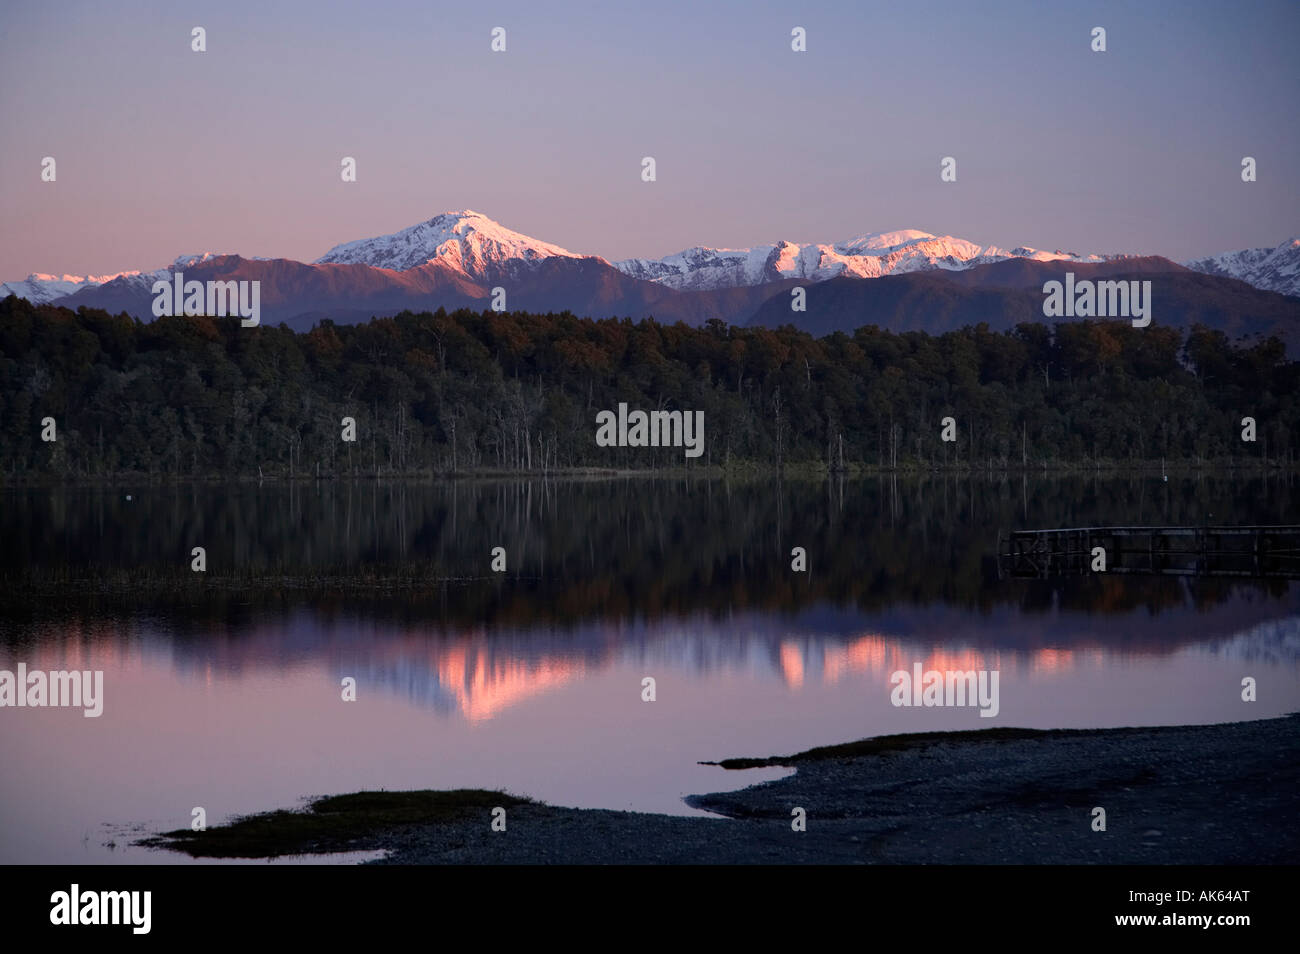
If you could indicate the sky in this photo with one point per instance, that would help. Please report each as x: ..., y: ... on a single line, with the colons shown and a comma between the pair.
x: 162, y: 151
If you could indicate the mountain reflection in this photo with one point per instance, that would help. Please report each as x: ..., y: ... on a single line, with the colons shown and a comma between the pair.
x: 669, y: 576
x: 478, y: 673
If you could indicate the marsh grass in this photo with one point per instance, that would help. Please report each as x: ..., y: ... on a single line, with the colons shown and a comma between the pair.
x: 888, y: 744
x: 354, y: 822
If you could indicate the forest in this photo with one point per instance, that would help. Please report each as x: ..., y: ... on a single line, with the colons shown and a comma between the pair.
x: 508, y: 392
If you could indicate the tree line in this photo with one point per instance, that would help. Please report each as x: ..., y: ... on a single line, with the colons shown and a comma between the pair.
x: 475, y: 392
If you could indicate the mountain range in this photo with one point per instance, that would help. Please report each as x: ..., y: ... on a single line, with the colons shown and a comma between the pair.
x: 900, y: 280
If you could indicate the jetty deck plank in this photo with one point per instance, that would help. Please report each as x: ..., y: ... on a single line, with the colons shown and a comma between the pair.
x: 1249, y: 551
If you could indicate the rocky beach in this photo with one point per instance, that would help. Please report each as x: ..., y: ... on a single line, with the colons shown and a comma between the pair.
x: 1213, y: 794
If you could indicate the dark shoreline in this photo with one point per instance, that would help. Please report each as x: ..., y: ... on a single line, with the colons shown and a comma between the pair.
x: 1215, y: 794
x: 804, y: 470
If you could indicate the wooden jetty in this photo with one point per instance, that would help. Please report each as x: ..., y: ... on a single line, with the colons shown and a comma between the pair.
x: 1262, y: 552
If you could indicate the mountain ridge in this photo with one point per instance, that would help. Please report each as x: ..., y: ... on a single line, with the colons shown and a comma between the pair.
x: 485, y: 251
x: 901, y: 280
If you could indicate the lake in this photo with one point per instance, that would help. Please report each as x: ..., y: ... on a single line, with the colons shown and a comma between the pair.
x: 223, y: 689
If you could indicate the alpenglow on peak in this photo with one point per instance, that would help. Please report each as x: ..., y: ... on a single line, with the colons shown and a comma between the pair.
x: 466, y: 240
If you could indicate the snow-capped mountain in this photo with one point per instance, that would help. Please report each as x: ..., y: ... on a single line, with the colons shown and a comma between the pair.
x: 41, y: 289
x: 473, y: 246
x: 867, y: 256
x: 468, y: 241
x: 1272, y: 269
x: 483, y: 249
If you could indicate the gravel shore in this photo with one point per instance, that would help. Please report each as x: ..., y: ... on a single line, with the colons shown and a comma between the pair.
x: 1220, y: 794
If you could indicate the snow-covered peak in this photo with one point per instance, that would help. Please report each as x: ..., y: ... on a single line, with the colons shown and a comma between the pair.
x: 1272, y: 269
x: 884, y: 241
x: 41, y: 289
x: 1038, y: 255
x: 466, y: 240
x: 866, y: 256
x: 188, y: 261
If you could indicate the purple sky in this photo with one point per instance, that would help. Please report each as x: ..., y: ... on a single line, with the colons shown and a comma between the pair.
x: 162, y: 151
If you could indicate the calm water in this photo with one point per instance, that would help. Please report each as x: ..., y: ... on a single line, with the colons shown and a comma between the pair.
x: 531, y: 680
